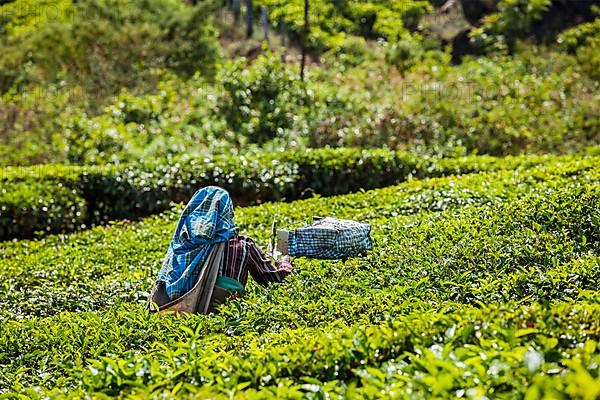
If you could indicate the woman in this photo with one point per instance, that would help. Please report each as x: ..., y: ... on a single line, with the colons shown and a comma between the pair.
x: 205, y: 236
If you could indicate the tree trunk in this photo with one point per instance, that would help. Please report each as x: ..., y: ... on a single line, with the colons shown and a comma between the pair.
x: 249, y: 19
x: 264, y: 21
x: 235, y: 5
x: 304, y: 40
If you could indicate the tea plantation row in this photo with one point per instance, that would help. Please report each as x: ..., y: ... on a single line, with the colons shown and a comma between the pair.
x: 54, y: 199
x: 100, y: 263
x: 479, y: 285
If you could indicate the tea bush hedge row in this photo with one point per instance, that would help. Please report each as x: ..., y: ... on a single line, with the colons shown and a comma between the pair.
x: 494, y: 272
x: 29, y: 206
x: 53, y: 199
x: 113, y: 255
x: 499, y: 351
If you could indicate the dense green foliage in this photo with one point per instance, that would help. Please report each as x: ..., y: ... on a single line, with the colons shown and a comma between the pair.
x: 539, y: 102
x: 581, y: 35
x: 484, y: 277
x: 500, y: 30
x: 535, y: 102
x: 245, y: 90
x: 332, y: 21
x: 584, y: 41
x: 62, y: 60
x: 94, y: 42
x: 484, y: 283
x: 52, y: 199
x: 164, y: 91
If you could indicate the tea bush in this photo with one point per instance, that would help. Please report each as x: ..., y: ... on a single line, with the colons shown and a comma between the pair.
x: 99, y: 194
x: 364, y: 361
x: 484, y: 283
x: 413, y: 197
x: 28, y: 207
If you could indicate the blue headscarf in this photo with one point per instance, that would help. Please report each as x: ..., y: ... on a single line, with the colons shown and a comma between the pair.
x: 206, y: 220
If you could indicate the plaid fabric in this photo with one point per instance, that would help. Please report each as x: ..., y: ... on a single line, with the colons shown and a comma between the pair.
x: 330, y: 238
x: 206, y: 220
x: 243, y: 256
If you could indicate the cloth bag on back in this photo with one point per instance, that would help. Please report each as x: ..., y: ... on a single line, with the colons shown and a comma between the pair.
x: 330, y: 238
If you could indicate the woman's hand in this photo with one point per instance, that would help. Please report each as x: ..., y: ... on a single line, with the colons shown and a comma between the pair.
x: 286, y: 263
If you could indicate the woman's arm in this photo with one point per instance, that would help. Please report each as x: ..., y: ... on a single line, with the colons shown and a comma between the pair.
x: 262, y: 269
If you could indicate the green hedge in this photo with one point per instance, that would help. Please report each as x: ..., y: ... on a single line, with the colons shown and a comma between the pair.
x: 101, y: 260
x: 90, y: 196
x: 434, y: 354
x: 30, y: 207
x: 495, y: 271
